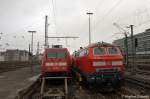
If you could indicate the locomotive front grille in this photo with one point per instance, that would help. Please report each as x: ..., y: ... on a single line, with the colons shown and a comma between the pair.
x: 106, y: 69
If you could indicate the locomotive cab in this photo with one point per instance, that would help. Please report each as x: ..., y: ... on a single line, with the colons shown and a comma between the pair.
x: 56, y: 62
x: 108, y: 64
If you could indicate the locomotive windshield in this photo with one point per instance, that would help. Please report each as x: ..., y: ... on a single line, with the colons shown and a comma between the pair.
x: 56, y: 55
x: 99, y: 51
x: 113, y: 50
x: 102, y: 51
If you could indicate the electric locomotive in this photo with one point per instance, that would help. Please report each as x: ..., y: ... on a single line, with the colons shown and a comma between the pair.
x: 100, y: 64
x: 56, y: 62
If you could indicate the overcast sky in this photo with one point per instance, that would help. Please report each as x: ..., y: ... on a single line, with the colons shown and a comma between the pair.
x: 68, y: 18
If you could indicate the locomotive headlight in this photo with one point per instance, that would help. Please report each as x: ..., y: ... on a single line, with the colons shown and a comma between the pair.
x: 117, y: 63
x: 62, y: 64
x: 119, y: 69
x: 100, y: 63
x: 49, y: 64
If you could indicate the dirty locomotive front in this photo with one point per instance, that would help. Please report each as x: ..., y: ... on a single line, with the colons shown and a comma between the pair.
x: 100, y: 64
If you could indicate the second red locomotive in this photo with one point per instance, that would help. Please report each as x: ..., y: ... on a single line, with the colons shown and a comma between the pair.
x: 100, y: 63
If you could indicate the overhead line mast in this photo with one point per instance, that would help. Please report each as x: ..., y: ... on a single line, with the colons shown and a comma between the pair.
x: 46, y: 31
x: 32, y: 32
x: 125, y: 42
x: 89, y: 13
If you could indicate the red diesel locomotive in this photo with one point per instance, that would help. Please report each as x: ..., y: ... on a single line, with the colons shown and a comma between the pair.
x: 56, y: 62
x: 100, y: 63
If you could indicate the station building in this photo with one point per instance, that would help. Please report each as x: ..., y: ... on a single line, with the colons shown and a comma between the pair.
x: 2, y: 56
x: 14, y: 55
x: 141, y: 40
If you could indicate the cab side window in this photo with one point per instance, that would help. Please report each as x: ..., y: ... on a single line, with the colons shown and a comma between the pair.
x: 86, y: 52
x: 81, y: 53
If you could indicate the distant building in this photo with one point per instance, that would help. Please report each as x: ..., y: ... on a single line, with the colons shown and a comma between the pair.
x: 16, y: 55
x: 143, y: 43
x: 24, y: 55
x: 2, y: 56
x: 38, y: 57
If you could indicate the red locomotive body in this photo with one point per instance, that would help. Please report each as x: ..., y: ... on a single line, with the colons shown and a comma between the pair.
x: 100, y: 63
x: 56, y: 62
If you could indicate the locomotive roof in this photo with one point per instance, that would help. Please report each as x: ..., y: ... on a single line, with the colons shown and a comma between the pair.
x: 100, y: 44
x: 56, y: 49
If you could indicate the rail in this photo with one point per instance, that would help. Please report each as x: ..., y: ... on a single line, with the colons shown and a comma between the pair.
x: 142, y: 83
x: 53, y: 92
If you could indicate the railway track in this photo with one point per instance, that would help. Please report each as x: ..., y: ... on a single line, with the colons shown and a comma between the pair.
x: 140, y: 88
x: 142, y: 72
x: 142, y: 83
x: 92, y: 93
x: 84, y: 92
x: 80, y: 93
